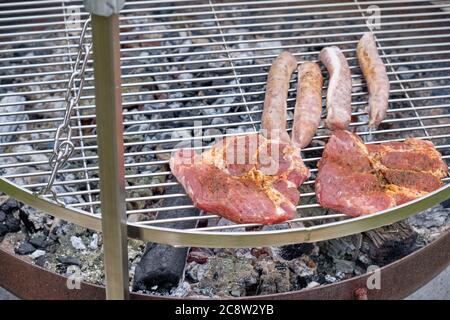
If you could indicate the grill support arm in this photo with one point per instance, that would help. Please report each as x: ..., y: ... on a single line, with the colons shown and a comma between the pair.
x: 105, y: 35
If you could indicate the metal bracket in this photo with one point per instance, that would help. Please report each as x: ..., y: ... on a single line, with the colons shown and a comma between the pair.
x: 104, y: 8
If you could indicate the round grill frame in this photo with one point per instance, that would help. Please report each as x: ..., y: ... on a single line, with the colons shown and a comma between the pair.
x: 340, y: 225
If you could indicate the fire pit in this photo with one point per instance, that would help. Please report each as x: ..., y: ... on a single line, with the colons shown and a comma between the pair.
x: 191, y: 72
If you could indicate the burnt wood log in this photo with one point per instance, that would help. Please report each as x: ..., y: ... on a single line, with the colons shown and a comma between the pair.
x: 163, y: 265
x: 379, y: 247
x: 390, y: 243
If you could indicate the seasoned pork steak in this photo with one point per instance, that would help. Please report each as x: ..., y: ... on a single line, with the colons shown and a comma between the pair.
x: 246, y: 179
x: 358, y: 179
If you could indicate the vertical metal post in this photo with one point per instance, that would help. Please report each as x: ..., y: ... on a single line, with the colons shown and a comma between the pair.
x: 108, y: 100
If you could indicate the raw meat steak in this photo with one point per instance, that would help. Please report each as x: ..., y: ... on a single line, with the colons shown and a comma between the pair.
x: 358, y: 179
x: 246, y: 179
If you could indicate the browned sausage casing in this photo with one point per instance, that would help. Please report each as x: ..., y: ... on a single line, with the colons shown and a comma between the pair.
x: 275, y: 102
x: 376, y: 76
x: 308, y: 106
x: 339, y: 88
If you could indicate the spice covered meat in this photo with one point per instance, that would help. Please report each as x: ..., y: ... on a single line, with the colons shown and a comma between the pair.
x: 261, y: 187
x: 358, y: 179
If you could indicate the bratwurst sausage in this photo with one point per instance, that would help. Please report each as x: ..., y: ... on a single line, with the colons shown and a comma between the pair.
x: 377, y: 80
x: 339, y: 88
x: 275, y: 102
x: 308, y: 106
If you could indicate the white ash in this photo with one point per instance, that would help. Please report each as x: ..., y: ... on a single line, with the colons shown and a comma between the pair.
x: 219, y: 121
x: 312, y: 284
x: 431, y: 223
x: 77, y: 243
x: 330, y: 279
x: 356, y: 85
x: 183, y: 290
x: 37, y: 218
x: 12, y: 104
x: 364, y: 258
x: 186, y: 76
x: 345, y: 266
x: 196, y: 272
x: 94, y: 242
x: 36, y: 254
x: 403, y: 70
x: 270, y: 46
x: 22, y: 149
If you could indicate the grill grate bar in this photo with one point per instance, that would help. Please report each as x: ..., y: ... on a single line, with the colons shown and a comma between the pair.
x: 353, y: 34
x: 251, y: 225
x: 73, y: 182
x: 200, y: 13
x: 165, y: 162
x: 224, y: 35
x: 47, y: 24
x: 217, y: 126
x: 162, y: 173
x: 188, y: 6
x: 262, y: 74
x: 354, y: 114
x: 417, y: 117
x: 237, y: 26
x: 132, y: 103
x: 200, y: 80
x: 262, y: 57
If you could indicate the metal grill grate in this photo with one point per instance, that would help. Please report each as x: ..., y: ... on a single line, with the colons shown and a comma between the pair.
x: 206, y: 61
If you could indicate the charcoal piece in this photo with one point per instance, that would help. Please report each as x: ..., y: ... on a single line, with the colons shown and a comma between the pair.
x: 40, y: 241
x: 9, y: 205
x: 13, y: 224
x: 24, y: 217
x: 40, y: 261
x: 293, y: 251
x: 163, y: 265
x: 25, y: 248
x: 2, y: 216
x: 3, y: 230
x: 69, y: 261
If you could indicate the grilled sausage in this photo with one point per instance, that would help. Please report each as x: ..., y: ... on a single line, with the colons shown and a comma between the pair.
x: 308, y: 106
x: 339, y: 88
x: 377, y: 80
x: 275, y: 104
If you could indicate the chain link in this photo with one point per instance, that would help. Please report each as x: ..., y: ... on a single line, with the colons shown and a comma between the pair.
x: 63, y: 147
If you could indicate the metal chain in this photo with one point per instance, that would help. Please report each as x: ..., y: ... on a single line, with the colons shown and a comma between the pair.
x: 63, y: 147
